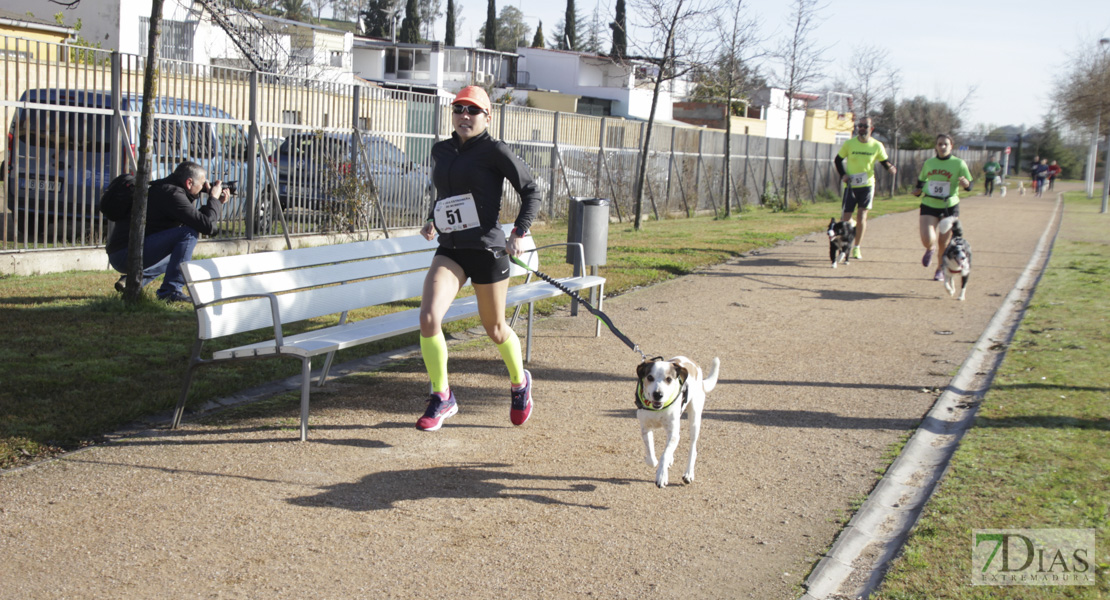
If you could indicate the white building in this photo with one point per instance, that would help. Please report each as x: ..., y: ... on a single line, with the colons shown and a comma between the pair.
x: 190, y: 33
x: 431, y: 68
x: 774, y: 105
x: 606, y: 87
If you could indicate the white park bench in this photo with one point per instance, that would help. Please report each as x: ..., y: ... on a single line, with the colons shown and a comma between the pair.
x: 236, y: 294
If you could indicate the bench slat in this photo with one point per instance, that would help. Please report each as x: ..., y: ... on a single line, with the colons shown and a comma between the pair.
x: 250, y: 264
x: 237, y: 317
x: 278, y: 282
x: 315, y: 343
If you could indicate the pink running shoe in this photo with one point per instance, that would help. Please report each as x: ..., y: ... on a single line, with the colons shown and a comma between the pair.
x: 928, y: 258
x: 939, y: 275
x: 441, y: 405
x: 522, y: 401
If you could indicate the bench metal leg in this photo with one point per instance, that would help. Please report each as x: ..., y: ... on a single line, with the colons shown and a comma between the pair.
x: 194, y: 362
x: 528, y: 336
x: 306, y: 374
x: 600, y: 302
x: 326, y: 369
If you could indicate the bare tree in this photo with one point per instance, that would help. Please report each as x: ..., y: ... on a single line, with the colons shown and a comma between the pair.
x: 1083, y: 95
x: 137, y: 234
x: 801, y: 61
x: 739, y: 33
x: 677, y: 44
x: 430, y: 12
x: 320, y: 5
x: 864, y: 71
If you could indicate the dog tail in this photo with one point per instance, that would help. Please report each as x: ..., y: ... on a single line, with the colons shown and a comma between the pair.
x: 710, y: 380
x: 947, y: 223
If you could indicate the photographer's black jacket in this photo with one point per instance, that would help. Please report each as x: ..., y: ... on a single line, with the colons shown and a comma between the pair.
x: 479, y: 167
x: 168, y: 205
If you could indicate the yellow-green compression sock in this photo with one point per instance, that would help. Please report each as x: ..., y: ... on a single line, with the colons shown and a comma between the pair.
x: 434, y: 351
x: 510, y: 353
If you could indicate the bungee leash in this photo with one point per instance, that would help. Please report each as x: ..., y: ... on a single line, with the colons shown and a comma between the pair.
x: 604, y: 318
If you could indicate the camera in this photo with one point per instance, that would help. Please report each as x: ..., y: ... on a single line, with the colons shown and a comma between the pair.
x: 230, y: 186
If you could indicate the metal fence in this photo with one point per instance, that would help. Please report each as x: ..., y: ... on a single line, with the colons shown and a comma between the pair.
x: 313, y: 156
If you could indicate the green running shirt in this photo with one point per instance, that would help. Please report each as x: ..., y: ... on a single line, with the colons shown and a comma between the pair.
x: 942, y: 181
x: 860, y: 158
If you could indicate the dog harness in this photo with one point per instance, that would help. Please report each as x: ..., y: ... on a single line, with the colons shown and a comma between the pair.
x: 641, y: 402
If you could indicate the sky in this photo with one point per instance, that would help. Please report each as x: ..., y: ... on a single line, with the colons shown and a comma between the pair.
x: 1008, y: 51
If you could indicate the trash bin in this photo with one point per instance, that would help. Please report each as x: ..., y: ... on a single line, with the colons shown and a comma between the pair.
x: 588, y: 224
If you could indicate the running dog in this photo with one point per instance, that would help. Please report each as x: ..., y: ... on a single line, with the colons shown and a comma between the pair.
x: 842, y: 236
x: 957, y: 256
x: 667, y: 389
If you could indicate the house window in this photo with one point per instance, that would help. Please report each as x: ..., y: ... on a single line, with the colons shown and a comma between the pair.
x: 391, y: 61
x: 456, y: 61
x: 336, y: 58
x: 176, y: 42
x: 596, y: 107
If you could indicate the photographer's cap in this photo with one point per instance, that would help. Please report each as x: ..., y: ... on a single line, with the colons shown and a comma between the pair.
x: 473, y: 95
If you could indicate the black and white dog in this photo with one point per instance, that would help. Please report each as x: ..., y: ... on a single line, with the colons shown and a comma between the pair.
x: 957, y: 256
x: 666, y: 389
x: 842, y: 236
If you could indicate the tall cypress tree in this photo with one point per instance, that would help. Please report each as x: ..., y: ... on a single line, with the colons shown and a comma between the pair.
x: 569, y: 26
x: 491, y: 27
x: 537, y: 41
x: 620, y: 40
x: 410, y: 26
x: 449, y: 37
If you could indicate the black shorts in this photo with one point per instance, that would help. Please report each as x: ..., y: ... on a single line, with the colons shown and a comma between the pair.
x: 481, y: 266
x: 857, y: 197
x: 940, y: 213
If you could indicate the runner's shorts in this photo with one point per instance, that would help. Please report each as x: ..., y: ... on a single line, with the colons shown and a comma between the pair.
x: 940, y: 213
x: 481, y: 266
x: 858, y: 198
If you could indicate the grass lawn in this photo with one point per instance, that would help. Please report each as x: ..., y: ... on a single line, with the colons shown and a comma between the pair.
x: 1038, y: 456
x: 77, y: 363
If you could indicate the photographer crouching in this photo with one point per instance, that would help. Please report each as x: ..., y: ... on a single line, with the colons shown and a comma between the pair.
x: 173, y: 225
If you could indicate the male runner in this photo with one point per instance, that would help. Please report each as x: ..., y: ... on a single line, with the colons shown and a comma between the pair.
x: 856, y: 165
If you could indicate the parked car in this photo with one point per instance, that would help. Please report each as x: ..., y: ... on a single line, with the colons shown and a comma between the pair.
x: 315, y: 168
x: 60, y: 158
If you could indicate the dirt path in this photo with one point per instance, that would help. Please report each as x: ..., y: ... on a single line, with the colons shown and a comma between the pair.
x: 821, y: 371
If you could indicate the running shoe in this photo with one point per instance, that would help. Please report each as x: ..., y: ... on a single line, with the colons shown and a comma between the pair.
x: 441, y: 405
x: 928, y: 258
x: 121, y: 284
x: 522, y: 401
x: 856, y: 253
x: 939, y: 275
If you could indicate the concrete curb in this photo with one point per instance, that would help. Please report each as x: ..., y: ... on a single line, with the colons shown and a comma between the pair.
x: 858, y: 559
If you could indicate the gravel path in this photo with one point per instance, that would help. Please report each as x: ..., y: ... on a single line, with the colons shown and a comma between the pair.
x: 822, y: 371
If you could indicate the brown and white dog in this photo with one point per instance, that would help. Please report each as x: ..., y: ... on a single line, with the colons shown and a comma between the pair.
x: 666, y: 389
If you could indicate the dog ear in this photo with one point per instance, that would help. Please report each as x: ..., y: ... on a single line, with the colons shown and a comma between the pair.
x: 684, y: 368
x: 642, y: 368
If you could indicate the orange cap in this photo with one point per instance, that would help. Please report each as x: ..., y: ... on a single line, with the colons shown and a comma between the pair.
x: 473, y: 95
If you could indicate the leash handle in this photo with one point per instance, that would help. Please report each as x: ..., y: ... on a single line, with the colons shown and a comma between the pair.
x: 601, y: 316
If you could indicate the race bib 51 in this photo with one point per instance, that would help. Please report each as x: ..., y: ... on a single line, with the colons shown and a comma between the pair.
x: 456, y: 213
